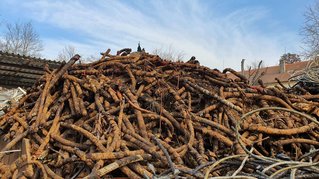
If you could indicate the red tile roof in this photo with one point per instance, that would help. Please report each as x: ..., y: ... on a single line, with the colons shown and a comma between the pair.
x: 272, y: 72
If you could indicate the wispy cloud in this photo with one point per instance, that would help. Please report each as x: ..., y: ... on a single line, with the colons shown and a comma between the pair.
x: 218, y: 39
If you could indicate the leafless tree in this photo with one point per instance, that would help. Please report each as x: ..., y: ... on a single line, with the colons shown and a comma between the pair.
x: 21, y: 38
x: 1, y: 42
x: 310, y: 30
x: 169, y: 54
x: 66, y: 53
x: 91, y: 58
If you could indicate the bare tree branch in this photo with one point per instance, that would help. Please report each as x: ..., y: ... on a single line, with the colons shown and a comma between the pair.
x: 90, y: 58
x: 310, y: 30
x: 21, y: 38
x: 169, y: 54
x: 66, y: 53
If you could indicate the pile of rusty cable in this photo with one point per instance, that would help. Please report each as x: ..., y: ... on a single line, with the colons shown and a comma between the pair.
x: 138, y: 116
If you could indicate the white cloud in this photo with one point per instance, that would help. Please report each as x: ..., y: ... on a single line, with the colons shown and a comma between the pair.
x: 189, y: 26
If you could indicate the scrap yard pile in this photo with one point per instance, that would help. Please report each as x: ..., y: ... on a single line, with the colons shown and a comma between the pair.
x: 137, y: 115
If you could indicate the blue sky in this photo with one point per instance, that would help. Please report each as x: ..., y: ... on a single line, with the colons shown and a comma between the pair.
x: 218, y: 32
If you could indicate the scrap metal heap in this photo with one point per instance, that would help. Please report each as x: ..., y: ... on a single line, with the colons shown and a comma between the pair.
x: 138, y: 115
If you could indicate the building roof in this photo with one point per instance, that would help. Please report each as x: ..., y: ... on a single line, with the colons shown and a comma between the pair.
x: 273, y: 72
x: 22, y: 71
x: 26, y: 60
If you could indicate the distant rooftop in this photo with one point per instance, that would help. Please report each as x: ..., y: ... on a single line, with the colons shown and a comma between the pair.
x: 272, y: 72
x: 22, y: 71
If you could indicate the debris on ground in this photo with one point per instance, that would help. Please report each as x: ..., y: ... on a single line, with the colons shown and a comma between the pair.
x: 137, y: 115
x: 9, y: 97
